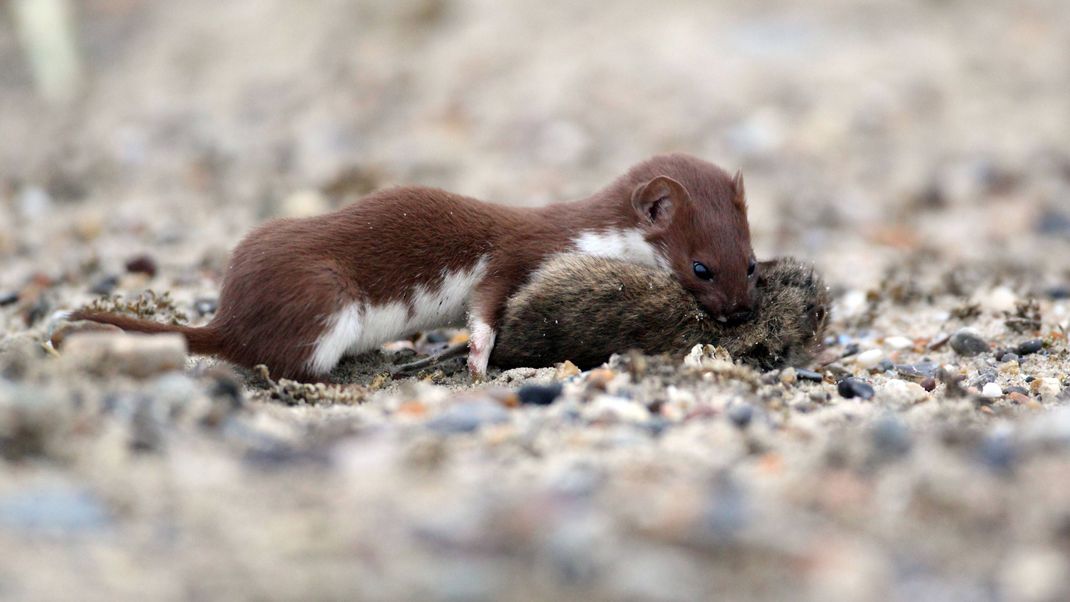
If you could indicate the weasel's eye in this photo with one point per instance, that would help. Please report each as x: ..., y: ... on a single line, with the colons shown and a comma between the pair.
x: 751, y: 267
x: 702, y: 271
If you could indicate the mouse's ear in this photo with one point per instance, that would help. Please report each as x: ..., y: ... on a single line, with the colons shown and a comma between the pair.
x: 657, y: 200
x: 739, y: 192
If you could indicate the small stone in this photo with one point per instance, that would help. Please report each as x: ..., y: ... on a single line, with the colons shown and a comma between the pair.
x: 902, y: 393
x: 849, y: 388
x: 1059, y: 293
x: 1047, y: 388
x: 968, y: 343
x: 1030, y: 347
x: 885, y: 365
x: 1008, y: 357
x: 741, y: 414
x: 810, y: 375
x: 469, y: 416
x: 138, y: 355
x: 929, y: 384
x: 205, y: 306
x: 540, y: 395
x: 788, y: 376
x: 1018, y: 398
x: 566, y: 369
x: 899, y: 343
x: 991, y: 391
x: 600, y: 377
x: 609, y: 407
x: 142, y: 264
x: 867, y: 360
x: 8, y: 299
x: 104, y: 285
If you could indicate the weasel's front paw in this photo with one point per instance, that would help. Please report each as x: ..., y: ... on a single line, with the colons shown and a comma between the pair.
x: 479, y: 346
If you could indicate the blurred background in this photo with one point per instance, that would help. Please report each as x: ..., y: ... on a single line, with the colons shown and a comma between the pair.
x: 866, y: 130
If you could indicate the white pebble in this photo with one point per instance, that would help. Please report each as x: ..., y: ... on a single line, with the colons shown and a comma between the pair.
x: 900, y: 393
x: 1000, y: 298
x: 899, y: 342
x: 992, y: 391
x: 869, y: 359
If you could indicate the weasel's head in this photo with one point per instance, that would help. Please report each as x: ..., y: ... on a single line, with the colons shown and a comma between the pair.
x: 695, y: 215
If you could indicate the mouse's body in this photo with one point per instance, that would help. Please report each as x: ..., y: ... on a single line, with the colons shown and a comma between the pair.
x: 584, y: 309
x: 299, y: 294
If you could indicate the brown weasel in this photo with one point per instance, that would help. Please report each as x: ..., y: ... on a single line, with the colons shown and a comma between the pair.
x: 584, y: 309
x: 299, y: 294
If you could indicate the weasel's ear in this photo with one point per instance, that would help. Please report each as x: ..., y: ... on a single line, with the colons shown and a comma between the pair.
x: 739, y: 196
x: 657, y: 200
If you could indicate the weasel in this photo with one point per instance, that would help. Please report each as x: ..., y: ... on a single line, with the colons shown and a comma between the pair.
x: 299, y: 294
x: 584, y: 309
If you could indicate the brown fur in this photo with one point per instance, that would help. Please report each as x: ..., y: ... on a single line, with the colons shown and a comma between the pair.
x: 584, y: 309
x: 287, y: 277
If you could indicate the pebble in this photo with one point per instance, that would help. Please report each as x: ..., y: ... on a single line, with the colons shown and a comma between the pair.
x: 205, y: 305
x: 1030, y: 347
x: 9, y: 298
x: 142, y: 264
x: 899, y: 343
x: 788, y: 376
x: 849, y: 388
x: 1047, y: 388
x: 540, y: 395
x: 867, y: 360
x: 810, y: 375
x: 902, y: 393
x: 741, y: 414
x: 1018, y: 398
x: 929, y: 384
x: 611, y: 407
x: 991, y: 391
x: 968, y: 343
x: 104, y: 285
x: 137, y: 355
x: 468, y: 416
x: 566, y: 369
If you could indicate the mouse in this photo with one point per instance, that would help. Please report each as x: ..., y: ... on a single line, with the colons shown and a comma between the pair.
x: 298, y: 294
x: 584, y: 309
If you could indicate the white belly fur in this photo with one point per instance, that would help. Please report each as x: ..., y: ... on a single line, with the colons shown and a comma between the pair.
x: 360, y: 327
x: 627, y: 245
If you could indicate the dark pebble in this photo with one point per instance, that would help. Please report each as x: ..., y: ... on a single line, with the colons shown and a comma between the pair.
x: 8, y: 299
x: 967, y: 343
x: 929, y: 384
x: 1017, y: 389
x: 741, y: 414
x: 808, y: 375
x: 539, y: 395
x: 1030, y: 379
x: 1030, y: 347
x: 851, y: 349
x: 1009, y: 356
x: 919, y: 371
x: 1058, y: 293
x: 849, y: 388
x: 205, y: 306
x: 885, y: 365
x: 142, y: 264
x: 105, y: 285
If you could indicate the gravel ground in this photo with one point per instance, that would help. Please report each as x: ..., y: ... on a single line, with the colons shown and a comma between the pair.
x: 916, y: 152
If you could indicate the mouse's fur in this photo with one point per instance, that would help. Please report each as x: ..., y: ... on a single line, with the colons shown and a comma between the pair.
x: 584, y: 309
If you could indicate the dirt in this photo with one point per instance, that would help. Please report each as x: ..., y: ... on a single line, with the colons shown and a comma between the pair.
x: 915, y: 152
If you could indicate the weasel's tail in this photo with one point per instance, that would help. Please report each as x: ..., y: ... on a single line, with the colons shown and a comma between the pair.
x: 205, y: 341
